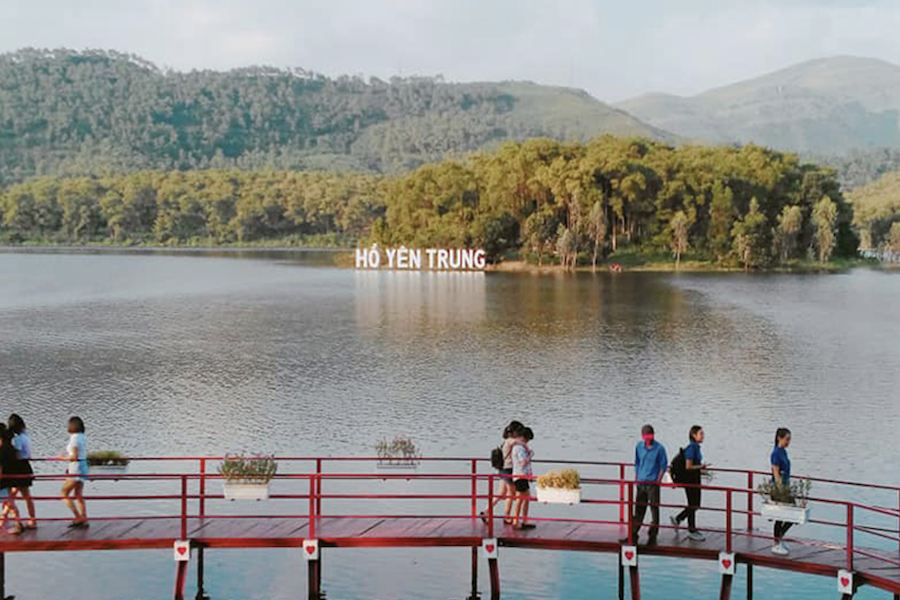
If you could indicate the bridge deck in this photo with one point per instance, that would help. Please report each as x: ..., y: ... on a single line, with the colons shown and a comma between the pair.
x: 272, y: 532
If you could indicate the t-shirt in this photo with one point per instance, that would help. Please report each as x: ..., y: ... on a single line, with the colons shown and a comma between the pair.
x: 22, y: 444
x: 693, y: 454
x: 507, y: 452
x: 650, y: 463
x: 780, y: 459
x: 78, y: 441
x: 521, y: 461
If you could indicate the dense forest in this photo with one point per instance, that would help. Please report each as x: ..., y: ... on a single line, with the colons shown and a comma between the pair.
x: 545, y: 200
x: 876, y: 213
x: 102, y: 112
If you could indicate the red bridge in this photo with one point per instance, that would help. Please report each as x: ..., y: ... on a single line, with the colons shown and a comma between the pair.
x: 317, y: 505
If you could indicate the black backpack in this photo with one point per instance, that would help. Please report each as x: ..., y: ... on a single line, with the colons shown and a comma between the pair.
x: 678, y: 468
x: 497, y: 458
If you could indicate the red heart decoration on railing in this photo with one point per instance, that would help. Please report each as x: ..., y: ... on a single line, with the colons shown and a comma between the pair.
x: 845, y: 581
x: 489, y: 548
x: 310, y: 550
x: 629, y: 555
x: 182, y: 550
x: 726, y: 563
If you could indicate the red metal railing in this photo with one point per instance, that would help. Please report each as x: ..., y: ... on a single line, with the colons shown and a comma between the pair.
x: 844, y: 518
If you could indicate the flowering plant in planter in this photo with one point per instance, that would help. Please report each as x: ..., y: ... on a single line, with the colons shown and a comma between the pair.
x: 107, y: 458
x: 399, y: 452
x: 248, y: 477
x: 559, y: 487
x: 788, y: 503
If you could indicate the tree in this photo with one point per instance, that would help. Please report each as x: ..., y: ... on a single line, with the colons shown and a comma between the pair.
x: 790, y: 222
x: 680, y: 226
x: 597, y: 230
x: 750, y: 240
x: 824, y: 219
x: 894, y: 238
x: 721, y: 220
x: 566, y: 247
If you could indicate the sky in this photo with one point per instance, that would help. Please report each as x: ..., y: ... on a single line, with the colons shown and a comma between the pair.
x: 615, y: 50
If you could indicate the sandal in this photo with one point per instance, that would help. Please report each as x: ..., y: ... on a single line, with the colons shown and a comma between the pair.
x: 525, y: 526
x: 483, y: 517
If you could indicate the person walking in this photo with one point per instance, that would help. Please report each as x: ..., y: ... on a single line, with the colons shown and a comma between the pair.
x: 781, y: 477
x: 21, y: 485
x: 7, y: 460
x: 73, y: 487
x: 693, y: 468
x: 504, y: 465
x: 650, y: 463
x: 522, y: 474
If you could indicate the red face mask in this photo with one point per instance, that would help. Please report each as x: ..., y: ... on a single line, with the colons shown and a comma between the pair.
x: 648, y: 439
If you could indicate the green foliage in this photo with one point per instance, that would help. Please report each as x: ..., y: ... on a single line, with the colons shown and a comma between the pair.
x: 790, y: 222
x: 64, y: 112
x: 825, y: 220
x: 258, y: 468
x: 796, y: 493
x: 107, y: 458
x: 399, y: 451
x: 876, y: 207
x: 566, y: 479
x: 750, y: 235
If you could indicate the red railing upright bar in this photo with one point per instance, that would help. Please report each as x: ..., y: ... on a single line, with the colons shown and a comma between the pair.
x: 202, y: 499
x: 750, y: 493
x: 490, y: 510
x: 622, y: 492
x: 728, y: 521
x: 850, y: 531
x: 184, y: 507
x: 474, y: 488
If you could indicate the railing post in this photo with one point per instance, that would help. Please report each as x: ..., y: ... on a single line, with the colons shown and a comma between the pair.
x: 490, y: 510
x: 850, y: 530
x: 622, y: 493
x: 631, y: 540
x: 898, y: 519
x: 184, y: 499
x: 474, y: 488
x: 728, y: 515
x: 202, y: 487
x: 750, y: 501
x: 319, y: 486
x: 312, y: 507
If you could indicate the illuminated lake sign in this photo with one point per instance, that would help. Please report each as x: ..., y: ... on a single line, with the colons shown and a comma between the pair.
x: 421, y: 259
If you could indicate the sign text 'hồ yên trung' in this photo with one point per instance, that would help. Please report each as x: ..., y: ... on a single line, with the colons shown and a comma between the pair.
x: 417, y: 259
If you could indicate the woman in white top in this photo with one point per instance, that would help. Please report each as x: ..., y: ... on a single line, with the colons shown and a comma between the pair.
x: 76, y: 455
x: 21, y: 486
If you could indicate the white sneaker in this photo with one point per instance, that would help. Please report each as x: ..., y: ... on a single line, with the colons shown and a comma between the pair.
x: 674, y: 523
x: 780, y: 550
x: 785, y: 546
x: 696, y: 536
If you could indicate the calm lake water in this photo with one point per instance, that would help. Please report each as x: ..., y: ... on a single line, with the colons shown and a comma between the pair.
x: 193, y: 353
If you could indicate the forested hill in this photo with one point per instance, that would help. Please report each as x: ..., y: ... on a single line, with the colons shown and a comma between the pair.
x: 98, y: 112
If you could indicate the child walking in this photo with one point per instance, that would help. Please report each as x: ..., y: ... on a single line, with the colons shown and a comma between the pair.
x: 522, y: 473
x: 73, y: 488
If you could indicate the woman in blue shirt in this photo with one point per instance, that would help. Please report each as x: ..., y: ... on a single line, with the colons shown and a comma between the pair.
x: 694, y: 466
x: 781, y: 475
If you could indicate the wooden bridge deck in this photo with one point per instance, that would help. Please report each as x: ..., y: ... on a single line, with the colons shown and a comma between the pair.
x: 274, y: 532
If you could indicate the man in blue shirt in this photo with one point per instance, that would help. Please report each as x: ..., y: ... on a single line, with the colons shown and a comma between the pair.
x: 650, y: 464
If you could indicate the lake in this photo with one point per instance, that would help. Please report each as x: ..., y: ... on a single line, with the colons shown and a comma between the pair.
x: 189, y: 353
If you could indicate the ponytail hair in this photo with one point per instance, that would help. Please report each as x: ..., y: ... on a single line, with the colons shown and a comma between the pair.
x: 782, y: 433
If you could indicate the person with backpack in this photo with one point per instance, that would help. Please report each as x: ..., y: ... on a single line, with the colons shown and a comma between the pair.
x: 686, y: 469
x: 650, y: 465
x: 502, y: 460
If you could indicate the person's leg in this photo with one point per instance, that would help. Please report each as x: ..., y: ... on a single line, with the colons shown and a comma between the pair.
x: 79, y: 499
x: 67, y: 489
x: 654, y: 495
x: 693, y: 495
x: 29, y: 504
x: 510, y: 492
x: 641, y: 499
x: 526, y: 502
x: 686, y: 513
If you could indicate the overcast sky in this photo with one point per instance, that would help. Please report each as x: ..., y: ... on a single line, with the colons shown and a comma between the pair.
x: 613, y: 49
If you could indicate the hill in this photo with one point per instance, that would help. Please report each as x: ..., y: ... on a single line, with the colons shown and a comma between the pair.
x: 63, y: 111
x: 826, y: 106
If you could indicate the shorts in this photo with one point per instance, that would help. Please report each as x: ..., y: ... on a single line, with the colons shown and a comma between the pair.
x: 505, y: 474
x: 522, y: 485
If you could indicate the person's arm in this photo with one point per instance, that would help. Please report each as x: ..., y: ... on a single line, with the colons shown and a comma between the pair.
x: 664, y: 466
x: 637, y: 460
x: 776, y: 473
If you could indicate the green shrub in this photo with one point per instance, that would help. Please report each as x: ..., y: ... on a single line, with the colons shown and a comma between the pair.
x: 567, y: 479
x: 258, y: 468
x: 107, y: 458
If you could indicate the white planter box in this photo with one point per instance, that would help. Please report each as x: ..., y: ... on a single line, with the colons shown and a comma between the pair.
x: 107, y: 469
x: 235, y: 490
x: 558, y: 496
x: 788, y: 513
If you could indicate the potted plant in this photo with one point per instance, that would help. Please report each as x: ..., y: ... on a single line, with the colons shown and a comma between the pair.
x: 788, y: 503
x: 401, y: 453
x: 108, y: 461
x: 248, y: 477
x: 559, y: 487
